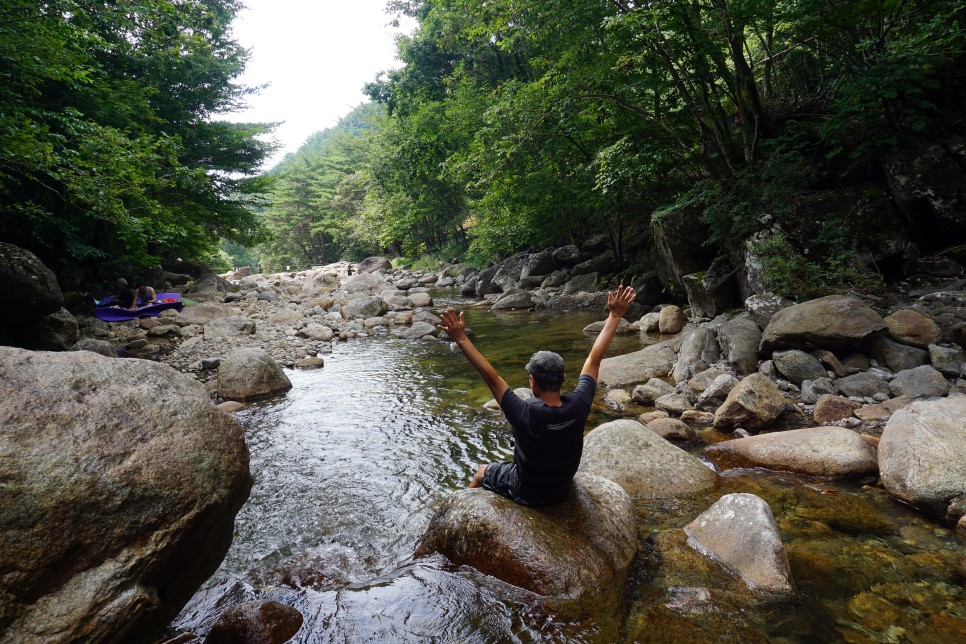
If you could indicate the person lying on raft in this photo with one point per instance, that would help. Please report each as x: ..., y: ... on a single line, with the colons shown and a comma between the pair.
x: 548, y: 429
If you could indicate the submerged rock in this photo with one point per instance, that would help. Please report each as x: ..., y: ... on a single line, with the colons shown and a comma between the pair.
x: 922, y: 454
x: 818, y: 451
x: 740, y: 532
x: 643, y: 463
x: 121, y: 483
x: 256, y: 622
x: 572, y: 550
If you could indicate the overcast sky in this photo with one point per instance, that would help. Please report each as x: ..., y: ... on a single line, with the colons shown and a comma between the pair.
x: 316, y: 55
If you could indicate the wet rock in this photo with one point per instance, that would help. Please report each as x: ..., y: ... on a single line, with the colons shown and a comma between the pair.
x: 798, y: 366
x: 648, y: 416
x: 829, y: 409
x: 55, y: 332
x: 913, y: 328
x: 30, y: 288
x: 833, y: 322
x: 717, y: 392
x: 673, y: 403
x: 694, y: 417
x: 310, y: 362
x: 643, y: 463
x: 812, y: 390
x: 256, y: 622
x: 739, y: 339
x: 121, y: 484
x: 671, y: 428
x: 231, y: 406
x: 763, y: 307
x: 947, y: 360
x: 574, y: 549
x: 862, y: 385
x: 894, y: 355
x: 373, y: 264
x: 650, y: 391
x: 101, y: 347
x: 754, y: 403
x: 920, y: 382
x: 672, y: 320
x: 514, y: 300
x: 623, y: 328
x: 418, y: 330
x: 699, y: 350
x: 922, y: 454
x: 250, y: 373
x: 739, y: 531
x: 655, y: 361
x: 817, y: 451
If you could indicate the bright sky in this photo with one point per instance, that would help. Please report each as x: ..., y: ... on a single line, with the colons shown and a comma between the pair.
x: 316, y: 55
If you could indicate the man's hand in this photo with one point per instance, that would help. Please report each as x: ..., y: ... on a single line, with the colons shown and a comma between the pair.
x: 453, y: 324
x: 619, y: 302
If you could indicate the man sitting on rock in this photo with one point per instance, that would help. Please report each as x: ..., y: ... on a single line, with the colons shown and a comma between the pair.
x: 548, y: 429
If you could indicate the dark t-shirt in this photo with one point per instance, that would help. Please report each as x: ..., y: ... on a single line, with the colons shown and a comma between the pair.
x: 125, y: 298
x: 548, y: 441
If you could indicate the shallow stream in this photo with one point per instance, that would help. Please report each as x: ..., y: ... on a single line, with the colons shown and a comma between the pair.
x: 350, y: 465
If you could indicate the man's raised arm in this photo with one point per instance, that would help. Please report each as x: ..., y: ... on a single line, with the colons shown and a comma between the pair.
x: 617, y: 305
x: 455, y: 327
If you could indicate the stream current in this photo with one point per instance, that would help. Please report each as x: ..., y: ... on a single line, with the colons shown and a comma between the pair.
x: 350, y: 465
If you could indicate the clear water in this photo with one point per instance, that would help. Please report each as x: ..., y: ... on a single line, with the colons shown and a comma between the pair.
x: 350, y: 465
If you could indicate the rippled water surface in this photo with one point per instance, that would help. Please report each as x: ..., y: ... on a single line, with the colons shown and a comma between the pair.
x: 350, y: 465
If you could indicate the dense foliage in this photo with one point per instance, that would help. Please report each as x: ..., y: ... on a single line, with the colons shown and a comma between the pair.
x: 515, y: 124
x: 108, y: 145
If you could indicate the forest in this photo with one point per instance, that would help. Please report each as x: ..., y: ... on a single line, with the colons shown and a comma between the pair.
x: 510, y: 125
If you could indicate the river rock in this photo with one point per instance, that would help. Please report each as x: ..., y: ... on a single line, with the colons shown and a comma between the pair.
x: 672, y: 320
x: 812, y: 390
x: 55, y: 332
x: 679, y: 245
x: 699, y: 350
x: 894, y: 355
x: 862, y: 385
x: 541, y: 263
x: 373, y: 264
x: 364, y: 283
x: 256, y: 622
x: 673, y: 403
x: 947, y: 360
x: 623, y: 328
x: 250, y: 373
x: 364, y: 307
x: 573, y: 549
x: 668, y: 428
x: 755, y: 402
x: 568, y: 255
x: 739, y: 339
x: 514, y: 300
x: 617, y: 399
x: 229, y: 327
x: 508, y: 272
x: 912, y: 327
x: 100, y: 347
x: 203, y: 313
x: 716, y: 392
x: 121, y: 484
x: 703, y: 379
x: 654, y: 361
x: 419, y: 329
x: 317, y: 332
x: 798, y: 366
x: 763, y: 306
x: 714, y: 291
x: 739, y: 531
x: 30, y: 288
x: 833, y: 322
x: 643, y: 463
x: 650, y: 391
x: 581, y: 283
x: 650, y: 322
x: 922, y: 454
x: 817, y: 451
x: 920, y: 382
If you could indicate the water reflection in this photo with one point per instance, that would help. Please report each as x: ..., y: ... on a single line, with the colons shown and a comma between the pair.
x: 350, y: 465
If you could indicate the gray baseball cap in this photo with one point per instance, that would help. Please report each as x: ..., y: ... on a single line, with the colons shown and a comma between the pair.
x: 547, y: 365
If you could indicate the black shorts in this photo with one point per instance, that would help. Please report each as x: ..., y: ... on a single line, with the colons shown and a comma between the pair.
x: 502, y: 478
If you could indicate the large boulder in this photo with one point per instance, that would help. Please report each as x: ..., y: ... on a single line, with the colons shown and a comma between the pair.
x: 699, y: 350
x: 121, y: 482
x: 364, y: 307
x: 538, y: 264
x: 894, y: 355
x: 364, y: 283
x: 373, y: 264
x: 508, y: 272
x: 862, y: 385
x: 833, y: 322
x: 754, y: 403
x: 581, y: 283
x: 763, y: 307
x: 30, y: 288
x: 484, y: 281
x: 679, y: 246
x: 655, y: 361
x: 568, y: 255
x: 513, y: 300
x: 209, y: 284
x: 739, y: 531
x: 922, y: 455
x: 55, y: 332
x: 818, y: 451
x: 573, y: 550
x: 920, y: 382
x: 912, y: 327
x: 712, y: 292
x: 250, y: 373
x: 672, y: 320
x: 739, y: 339
x: 643, y: 463
x: 798, y: 366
